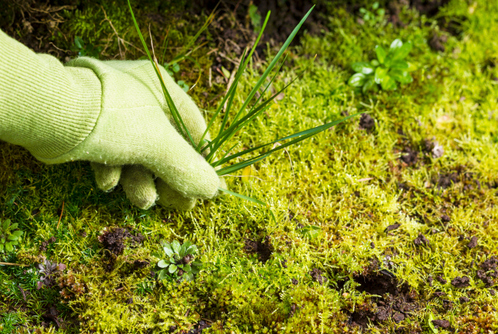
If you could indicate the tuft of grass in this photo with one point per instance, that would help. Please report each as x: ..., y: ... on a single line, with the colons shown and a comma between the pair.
x: 232, y: 124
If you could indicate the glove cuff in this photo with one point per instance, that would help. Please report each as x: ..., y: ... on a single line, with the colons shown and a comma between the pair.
x: 45, y: 107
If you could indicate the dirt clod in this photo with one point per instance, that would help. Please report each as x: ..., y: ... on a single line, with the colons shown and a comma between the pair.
x: 488, y: 271
x: 392, y: 227
x: 367, y: 122
x: 316, y: 274
x: 113, y: 241
x: 421, y: 240
x: 441, y: 279
x: 263, y: 248
x: 461, y: 282
x: 444, y: 324
x: 446, y: 181
x: 464, y: 299
x: 409, y: 157
x: 437, y: 42
x: 472, y: 243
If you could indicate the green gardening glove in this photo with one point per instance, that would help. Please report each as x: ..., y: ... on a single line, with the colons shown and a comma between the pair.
x: 111, y: 113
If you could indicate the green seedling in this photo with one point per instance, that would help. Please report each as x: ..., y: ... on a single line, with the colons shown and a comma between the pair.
x: 86, y: 49
x: 180, y: 263
x: 9, y: 236
x: 234, y: 121
x: 389, y: 68
x: 373, y: 15
x: 173, y: 68
x: 311, y: 231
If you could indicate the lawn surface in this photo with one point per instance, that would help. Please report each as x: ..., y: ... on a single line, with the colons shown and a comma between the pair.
x: 386, y: 223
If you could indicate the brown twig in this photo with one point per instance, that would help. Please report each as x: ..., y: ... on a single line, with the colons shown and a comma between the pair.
x: 12, y: 264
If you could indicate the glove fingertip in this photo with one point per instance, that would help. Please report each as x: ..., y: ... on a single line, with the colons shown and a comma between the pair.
x: 138, y: 184
x: 106, y: 177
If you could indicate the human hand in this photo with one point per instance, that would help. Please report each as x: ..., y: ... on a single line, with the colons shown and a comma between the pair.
x: 135, y: 140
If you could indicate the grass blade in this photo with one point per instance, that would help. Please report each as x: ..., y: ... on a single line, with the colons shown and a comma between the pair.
x: 296, y: 137
x: 221, y: 138
x: 247, y: 198
x: 171, y: 105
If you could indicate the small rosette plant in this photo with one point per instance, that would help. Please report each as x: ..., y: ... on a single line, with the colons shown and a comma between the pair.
x: 180, y: 263
x: 388, y: 69
x: 9, y: 236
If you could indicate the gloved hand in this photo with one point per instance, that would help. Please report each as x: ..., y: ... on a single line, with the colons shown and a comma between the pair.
x: 111, y: 113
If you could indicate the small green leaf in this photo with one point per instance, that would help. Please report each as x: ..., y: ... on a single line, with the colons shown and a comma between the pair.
x: 175, y: 67
x: 175, y: 245
x: 357, y: 80
x: 168, y: 250
x: 374, y: 62
x: 13, y: 226
x: 162, y: 264
x: 388, y: 83
x: 78, y: 41
x: 6, y: 224
x: 226, y: 73
x: 380, y: 74
x: 369, y: 84
x: 172, y: 268
x: 9, y: 247
x: 403, y: 51
x: 363, y: 67
x: 396, y: 44
x: 311, y: 231
x: 12, y: 237
x: 399, y: 65
x: 162, y: 274
x: 1, y: 247
x: 381, y: 53
x: 401, y: 76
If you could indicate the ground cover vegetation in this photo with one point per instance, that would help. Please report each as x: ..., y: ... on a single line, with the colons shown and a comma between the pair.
x: 385, y: 223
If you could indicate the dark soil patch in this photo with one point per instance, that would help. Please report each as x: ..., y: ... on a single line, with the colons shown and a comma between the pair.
x: 46, y: 243
x: 113, y: 241
x: 409, y: 156
x: 316, y: 275
x: 446, y: 180
x: 392, y: 228
x: 421, y: 240
x: 461, y: 282
x: 396, y: 301
x: 488, y: 272
x: 437, y: 42
x: 472, y: 243
x: 444, y: 324
x: 464, y: 299
x: 367, y: 122
x: 263, y: 248
x: 34, y: 23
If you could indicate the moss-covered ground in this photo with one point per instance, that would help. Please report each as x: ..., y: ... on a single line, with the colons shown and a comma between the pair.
x: 373, y: 230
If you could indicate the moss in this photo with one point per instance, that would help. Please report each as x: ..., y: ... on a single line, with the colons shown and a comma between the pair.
x: 349, y: 182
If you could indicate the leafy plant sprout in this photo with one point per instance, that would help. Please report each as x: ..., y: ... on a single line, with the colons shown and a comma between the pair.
x: 373, y: 15
x: 180, y: 262
x: 9, y: 236
x: 243, y: 116
x: 389, y: 68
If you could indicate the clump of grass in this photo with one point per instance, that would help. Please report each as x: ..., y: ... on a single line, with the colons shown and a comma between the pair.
x: 234, y: 121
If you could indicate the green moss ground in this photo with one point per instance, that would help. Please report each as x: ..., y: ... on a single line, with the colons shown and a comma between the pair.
x: 348, y: 182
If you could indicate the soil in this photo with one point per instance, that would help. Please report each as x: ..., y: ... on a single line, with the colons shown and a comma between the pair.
x: 444, y: 324
x: 437, y: 42
x: 367, y: 122
x: 488, y: 271
x: 316, y: 275
x: 409, y: 156
x: 472, y: 243
x: 461, y: 282
x: 392, y: 228
x: 396, y: 301
x: 421, y: 240
x: 263, y: 248
x: 46, y: 243
x: 113, y: 241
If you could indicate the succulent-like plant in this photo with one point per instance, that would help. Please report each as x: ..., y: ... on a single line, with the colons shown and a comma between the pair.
x: 180, y: 261
x: 9, y: 236
x: 388, y: 68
